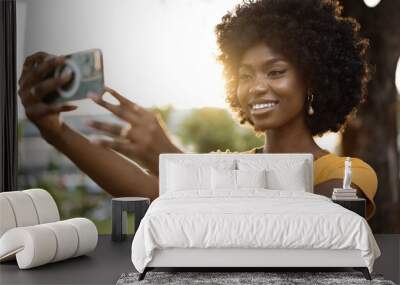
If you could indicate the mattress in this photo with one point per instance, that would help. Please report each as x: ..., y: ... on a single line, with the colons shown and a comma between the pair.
x: 250, y: 219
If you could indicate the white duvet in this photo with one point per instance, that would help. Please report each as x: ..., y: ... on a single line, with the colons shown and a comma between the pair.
x: 250, y: 219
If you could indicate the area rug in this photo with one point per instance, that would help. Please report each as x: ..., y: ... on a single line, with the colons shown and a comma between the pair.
x: 243, y: 278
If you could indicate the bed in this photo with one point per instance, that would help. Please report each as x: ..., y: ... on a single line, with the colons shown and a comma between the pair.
x: 245, y: 211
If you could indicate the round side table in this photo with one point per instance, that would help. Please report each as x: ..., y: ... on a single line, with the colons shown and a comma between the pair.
x: 120, y: 207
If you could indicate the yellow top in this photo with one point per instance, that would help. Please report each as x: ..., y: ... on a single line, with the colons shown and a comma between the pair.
x: 331, y: 166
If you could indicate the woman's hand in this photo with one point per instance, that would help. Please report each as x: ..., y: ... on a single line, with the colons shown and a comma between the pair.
x: 34, y: 84
x: 143, y: 139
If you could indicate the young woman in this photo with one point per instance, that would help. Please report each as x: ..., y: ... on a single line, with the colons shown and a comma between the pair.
x: 294, y: 69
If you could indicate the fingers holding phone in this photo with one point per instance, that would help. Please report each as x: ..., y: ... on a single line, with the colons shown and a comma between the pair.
x: 34, y: 85
x: 37, y: 67
x: 49, y: 85
x: 35, y: 70
x: 87, y: 75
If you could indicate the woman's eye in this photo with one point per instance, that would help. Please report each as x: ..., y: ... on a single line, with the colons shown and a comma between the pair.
x: 275, y: 73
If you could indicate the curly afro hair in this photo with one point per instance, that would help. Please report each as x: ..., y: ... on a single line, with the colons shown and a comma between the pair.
x: 324, y: 47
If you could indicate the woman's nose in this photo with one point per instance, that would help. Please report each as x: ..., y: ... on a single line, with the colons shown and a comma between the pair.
x: 259, y: 86
x: 257, y: 89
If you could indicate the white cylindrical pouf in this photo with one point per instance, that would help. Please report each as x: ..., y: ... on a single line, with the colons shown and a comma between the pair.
x: 87, y: 234
x: 45, y: 205
x: 23, y: 208
x: 67, y: 239
x: 7, y: 218
x: 34, y: 245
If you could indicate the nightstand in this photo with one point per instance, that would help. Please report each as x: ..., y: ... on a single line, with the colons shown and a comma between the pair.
x: 357, y: 206
x: 120, y: 206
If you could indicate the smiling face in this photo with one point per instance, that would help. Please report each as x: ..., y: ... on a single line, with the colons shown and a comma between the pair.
x: 270, y: 90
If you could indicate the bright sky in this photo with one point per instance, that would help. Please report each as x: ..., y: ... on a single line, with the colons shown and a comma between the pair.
x: 156, y: 52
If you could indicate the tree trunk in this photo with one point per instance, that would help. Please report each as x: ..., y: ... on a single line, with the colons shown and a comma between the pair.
x: 372, y: 136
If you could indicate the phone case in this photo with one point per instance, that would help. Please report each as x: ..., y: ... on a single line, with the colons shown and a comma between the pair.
x: 87, y: 75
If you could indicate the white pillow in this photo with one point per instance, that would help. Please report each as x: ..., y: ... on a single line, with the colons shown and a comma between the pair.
x: 223, y: 179
x: 227, y: 179
x: 281, y: 174
x: 251, y: 178
x: 181, y: 177
x: 293, y: 179
x: 192, y: 174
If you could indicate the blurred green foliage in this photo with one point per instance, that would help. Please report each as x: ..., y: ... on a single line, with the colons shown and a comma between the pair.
x: 210, y: 129
x: 164, y: 112
x: 76, y: 202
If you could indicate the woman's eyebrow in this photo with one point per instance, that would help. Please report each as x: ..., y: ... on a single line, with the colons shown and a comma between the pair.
x: 264, y: 63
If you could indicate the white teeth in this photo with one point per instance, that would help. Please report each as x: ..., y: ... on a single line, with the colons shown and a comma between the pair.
x: 261, y: 106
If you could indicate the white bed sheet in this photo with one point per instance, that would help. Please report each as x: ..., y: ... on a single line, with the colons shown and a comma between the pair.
x: 252, y: 218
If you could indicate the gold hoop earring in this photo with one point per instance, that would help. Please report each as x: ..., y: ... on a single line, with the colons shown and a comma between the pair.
x: 310, y: 108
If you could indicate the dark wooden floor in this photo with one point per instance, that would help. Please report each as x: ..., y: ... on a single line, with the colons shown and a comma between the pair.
x: 110, y: 260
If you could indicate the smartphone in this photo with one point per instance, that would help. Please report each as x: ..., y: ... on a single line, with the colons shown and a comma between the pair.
x: 87, y: 75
